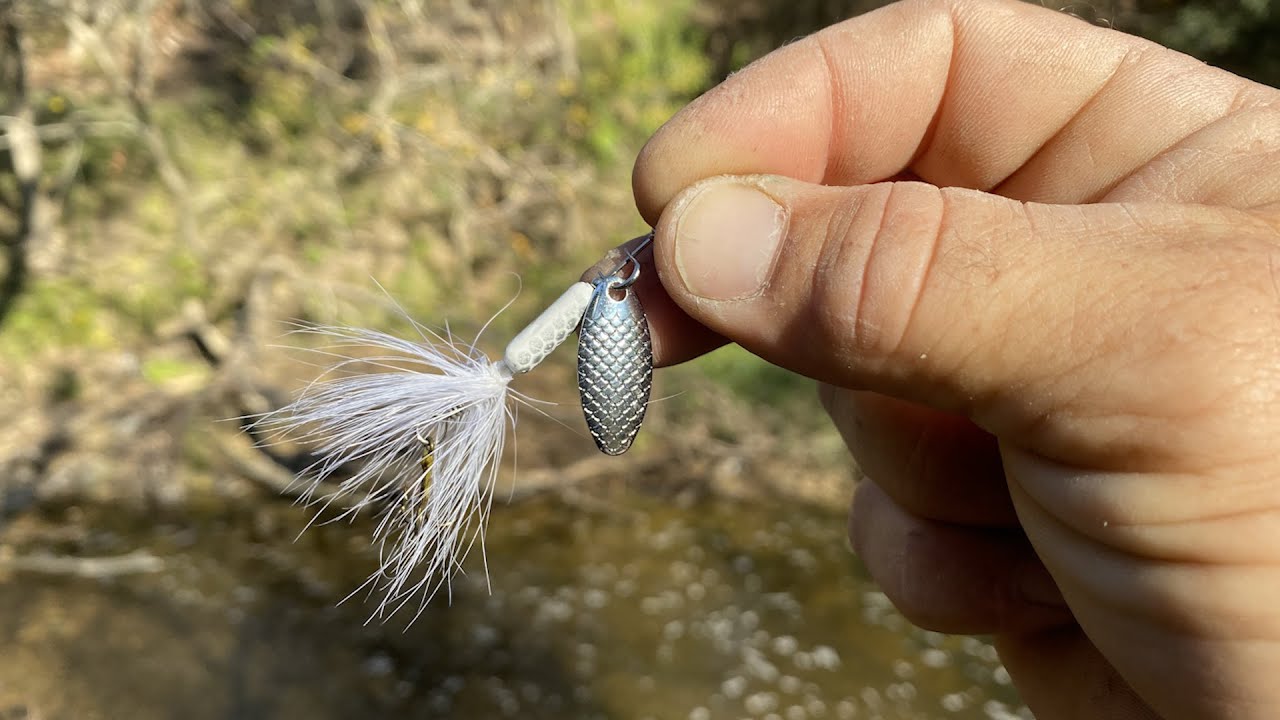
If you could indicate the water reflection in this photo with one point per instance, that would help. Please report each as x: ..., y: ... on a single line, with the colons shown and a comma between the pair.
x: 644, y: 610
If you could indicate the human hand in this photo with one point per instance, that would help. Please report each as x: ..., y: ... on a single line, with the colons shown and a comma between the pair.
x: 1037, y: 264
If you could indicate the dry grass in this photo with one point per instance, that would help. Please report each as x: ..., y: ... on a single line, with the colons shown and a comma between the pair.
x: 231, y: 166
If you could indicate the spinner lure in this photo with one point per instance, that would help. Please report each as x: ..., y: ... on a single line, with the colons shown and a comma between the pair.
x: 420, y: 442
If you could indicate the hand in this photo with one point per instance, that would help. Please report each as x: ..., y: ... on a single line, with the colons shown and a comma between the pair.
x: 1037, y: 264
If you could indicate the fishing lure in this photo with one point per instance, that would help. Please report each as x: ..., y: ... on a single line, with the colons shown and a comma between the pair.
x: 420, y: 442
x: 615, y: 363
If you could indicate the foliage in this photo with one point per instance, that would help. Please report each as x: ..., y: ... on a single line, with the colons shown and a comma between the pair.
x: 758, y: 382
x: 642, y: 62
x: 372, y: 165
x: 53, y: 315
x: 453, y: 154
x: 1242, y: 37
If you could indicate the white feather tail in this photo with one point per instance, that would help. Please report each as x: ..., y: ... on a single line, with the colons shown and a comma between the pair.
x: 374, y: 423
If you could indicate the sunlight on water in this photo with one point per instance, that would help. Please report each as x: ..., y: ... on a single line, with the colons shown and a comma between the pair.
x: 644, y: 610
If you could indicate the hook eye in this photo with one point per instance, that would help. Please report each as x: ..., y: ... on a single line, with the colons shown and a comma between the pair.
x: 629, y: 280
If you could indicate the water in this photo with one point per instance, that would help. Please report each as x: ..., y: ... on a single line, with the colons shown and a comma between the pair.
x: 634, y: 608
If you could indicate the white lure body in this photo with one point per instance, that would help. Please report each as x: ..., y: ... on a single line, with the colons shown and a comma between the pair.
x: 547, y: 331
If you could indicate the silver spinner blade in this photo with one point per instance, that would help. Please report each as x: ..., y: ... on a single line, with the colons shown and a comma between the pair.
x: 615, y: 364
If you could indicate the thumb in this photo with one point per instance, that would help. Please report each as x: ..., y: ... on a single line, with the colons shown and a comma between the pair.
x: 1011, y: 313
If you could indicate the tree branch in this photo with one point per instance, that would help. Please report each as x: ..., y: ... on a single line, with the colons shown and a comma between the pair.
x: 93, y: 568
x: 27, y: 160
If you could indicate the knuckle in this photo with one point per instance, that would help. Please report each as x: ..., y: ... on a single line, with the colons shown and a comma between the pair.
x: 840, y: 275
x: 876, y: 258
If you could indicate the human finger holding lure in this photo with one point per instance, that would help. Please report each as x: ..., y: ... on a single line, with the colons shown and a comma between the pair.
x: 1036, y: 265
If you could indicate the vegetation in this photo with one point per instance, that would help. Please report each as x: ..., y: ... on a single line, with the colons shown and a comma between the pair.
x: 207, y: 172
x: 181, y: 178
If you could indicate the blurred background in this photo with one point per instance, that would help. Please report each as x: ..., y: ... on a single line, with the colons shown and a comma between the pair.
x: 180, y: 178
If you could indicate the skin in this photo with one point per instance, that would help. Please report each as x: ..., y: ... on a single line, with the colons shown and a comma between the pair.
x: 1036, y: 266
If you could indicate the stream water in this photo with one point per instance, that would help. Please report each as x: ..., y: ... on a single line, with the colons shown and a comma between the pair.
x: 643, y: 608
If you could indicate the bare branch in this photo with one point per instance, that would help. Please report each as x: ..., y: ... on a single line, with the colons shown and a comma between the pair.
x: 70, y: 131
x: 137, y: 88
x: 389, y: 78
x: 225, y: 14
x: 26, y: 157
x: 92, y: 568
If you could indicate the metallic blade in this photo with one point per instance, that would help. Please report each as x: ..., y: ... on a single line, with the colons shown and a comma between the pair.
x: 615, y: 366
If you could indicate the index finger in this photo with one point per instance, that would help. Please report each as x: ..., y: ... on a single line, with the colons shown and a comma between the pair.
x: 989, y: 95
